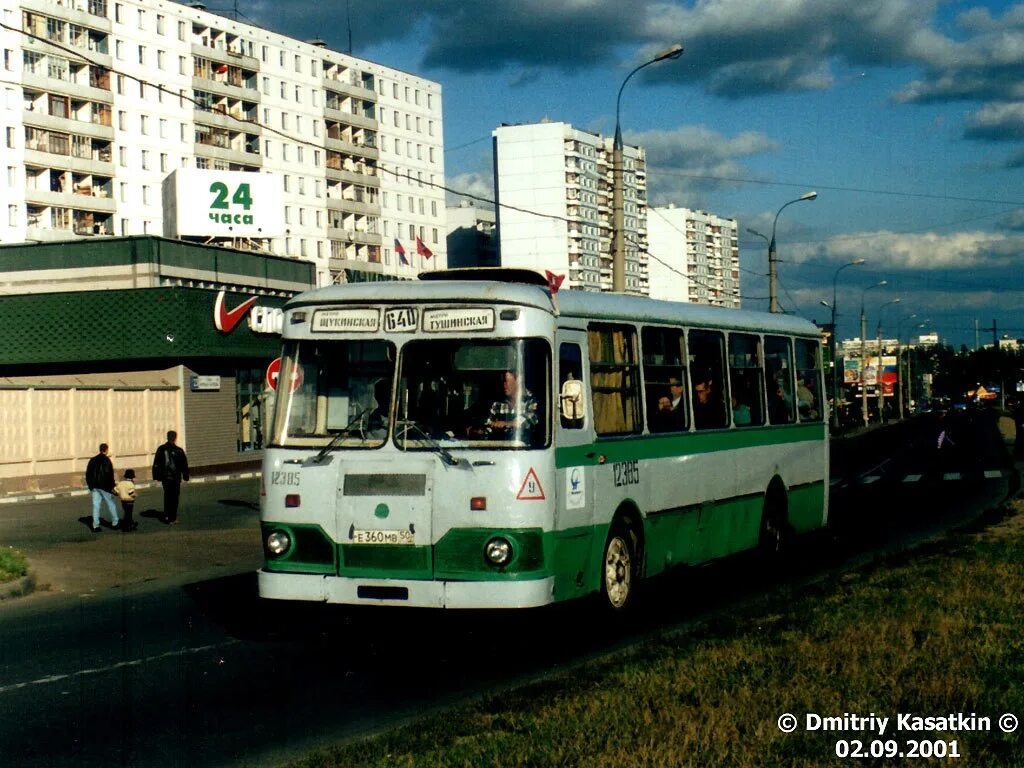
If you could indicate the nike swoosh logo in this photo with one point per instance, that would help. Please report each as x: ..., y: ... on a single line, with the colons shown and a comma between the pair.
x: 225, y: 320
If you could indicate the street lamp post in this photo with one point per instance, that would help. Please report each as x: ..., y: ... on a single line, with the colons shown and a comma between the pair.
x: 773, y: 273
x: 618, y: 191
x: 899, y: 364
x: 863, y: 353
x: 878, y: 367
x: 833, y: 344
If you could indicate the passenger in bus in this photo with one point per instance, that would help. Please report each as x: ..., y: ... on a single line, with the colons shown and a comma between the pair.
x: 663, y: 419
x: 806, y: 400
x: 779, y: 409
x: 514, y: 415
x: 707, y: 411
x: 675, y: 390
x: 740, y: 413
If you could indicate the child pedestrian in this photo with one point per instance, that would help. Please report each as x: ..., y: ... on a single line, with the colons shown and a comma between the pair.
x: 125, y: 491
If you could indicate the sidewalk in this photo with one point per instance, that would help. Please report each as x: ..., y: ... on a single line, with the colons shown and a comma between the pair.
x: 218, y: 535
x: 15, y: 498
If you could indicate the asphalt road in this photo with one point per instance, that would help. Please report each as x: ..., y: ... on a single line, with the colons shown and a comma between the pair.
x: 151, y: 649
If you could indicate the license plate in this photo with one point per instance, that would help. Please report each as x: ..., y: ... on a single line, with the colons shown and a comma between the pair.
x: 404, y: 536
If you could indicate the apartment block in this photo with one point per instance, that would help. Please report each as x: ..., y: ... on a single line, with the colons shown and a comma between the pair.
x: 472, y: 239
x: 554, y: 193
x: 103, y: 99
x: 694, y: 257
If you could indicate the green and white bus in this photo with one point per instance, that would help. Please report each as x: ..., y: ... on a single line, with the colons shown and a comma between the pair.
x: 636, y: 435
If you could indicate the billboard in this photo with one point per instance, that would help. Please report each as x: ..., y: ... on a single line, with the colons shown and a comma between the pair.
x: 207, y: 203
x: 887, y: 365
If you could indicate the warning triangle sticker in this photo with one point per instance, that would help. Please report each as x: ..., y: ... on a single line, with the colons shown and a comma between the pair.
x: 531, y: 489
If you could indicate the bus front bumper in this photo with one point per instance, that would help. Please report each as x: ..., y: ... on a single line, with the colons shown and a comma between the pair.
x: 405, y: 592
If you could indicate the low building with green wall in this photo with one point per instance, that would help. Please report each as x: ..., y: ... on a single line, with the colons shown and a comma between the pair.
x: 115, y: 340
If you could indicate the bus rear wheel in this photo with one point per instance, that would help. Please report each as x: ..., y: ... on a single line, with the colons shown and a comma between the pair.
x: 775, y: 531
x: 619, y: 569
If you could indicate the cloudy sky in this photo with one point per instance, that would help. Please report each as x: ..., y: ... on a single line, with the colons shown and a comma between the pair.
x: 906, y: 116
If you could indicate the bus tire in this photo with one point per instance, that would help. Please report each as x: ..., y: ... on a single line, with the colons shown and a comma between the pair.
x: 775, y: 530
x: 619, y: 568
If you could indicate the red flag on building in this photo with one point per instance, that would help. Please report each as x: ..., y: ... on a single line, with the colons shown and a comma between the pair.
x: 221, y: 69
x: 422, y: 250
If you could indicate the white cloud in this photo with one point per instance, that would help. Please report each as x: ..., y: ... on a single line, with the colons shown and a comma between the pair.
x: 479, y: 185
x: 959, y: 251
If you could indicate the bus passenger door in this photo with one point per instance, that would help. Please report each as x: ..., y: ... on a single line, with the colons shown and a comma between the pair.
x: 574, y: 436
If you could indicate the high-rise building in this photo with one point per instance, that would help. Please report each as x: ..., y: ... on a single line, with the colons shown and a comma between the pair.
x: 694, y: 257
x: 471, y: 237
x: 554, y: 193
x: 104, y: 99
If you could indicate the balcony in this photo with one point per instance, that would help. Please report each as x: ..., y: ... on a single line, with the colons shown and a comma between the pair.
x: 367, y: 176
x: 356, y: 236
x: 353, y: 206
x: 350, y: 148
x: 348, y: 86
x: 85, y: 13
x: 37, y: 119
x: 350, y: 118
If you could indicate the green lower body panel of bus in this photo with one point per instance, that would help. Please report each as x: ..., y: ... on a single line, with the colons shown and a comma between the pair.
x: 681, y: 536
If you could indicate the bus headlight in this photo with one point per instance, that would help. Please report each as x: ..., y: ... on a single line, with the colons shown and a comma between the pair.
x: 498, y: 551
x: 278, y: 542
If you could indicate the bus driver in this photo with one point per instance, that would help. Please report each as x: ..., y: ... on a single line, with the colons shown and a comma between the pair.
x: 514, y: 414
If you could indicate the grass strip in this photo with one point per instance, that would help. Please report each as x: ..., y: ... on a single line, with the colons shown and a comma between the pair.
x: 13, y: 565
x: 930, y: 632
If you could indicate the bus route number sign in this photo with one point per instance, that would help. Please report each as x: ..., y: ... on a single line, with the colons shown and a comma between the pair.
x: 401, y: 320
x: 626, y: 473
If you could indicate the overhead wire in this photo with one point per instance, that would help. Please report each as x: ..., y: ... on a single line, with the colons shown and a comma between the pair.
x: 384, y: 168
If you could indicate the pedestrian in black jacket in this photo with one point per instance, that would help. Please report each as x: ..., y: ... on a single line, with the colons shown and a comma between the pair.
x: 99, y: 476
x: 170, y: 467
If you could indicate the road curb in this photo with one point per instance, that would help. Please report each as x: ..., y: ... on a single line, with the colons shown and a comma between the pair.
x: 67, y: 493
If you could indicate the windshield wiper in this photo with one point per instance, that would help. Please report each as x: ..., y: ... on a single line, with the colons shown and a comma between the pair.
x: 435, y: 446
x: 356, y: 422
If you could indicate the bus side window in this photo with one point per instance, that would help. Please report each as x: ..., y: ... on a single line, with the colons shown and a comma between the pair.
x: 778, y: 379
x: 614, y: 379
x: 808, y: 379
x: 707, y: 379
x: 746, y: 381
x: 570, y: 386
x: 664, y: 379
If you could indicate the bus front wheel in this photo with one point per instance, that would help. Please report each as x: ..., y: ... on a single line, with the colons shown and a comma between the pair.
x: 619, y: 569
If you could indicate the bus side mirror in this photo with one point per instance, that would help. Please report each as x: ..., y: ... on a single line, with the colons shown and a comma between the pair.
x: 572, y: 400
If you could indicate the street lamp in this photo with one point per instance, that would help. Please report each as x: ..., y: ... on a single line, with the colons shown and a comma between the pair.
x: 835, y: 368
x: 878, y: 367
x: 864, y: 353
x: 899, y: 362
x: 773, y: 275
x: 618, y: 192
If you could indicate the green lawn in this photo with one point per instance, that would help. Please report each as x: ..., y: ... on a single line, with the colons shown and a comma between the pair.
x: 937, y: 631
x: 13, y: 565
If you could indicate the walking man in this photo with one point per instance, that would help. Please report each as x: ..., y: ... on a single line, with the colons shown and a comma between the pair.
x: 170, y: 467
x: 99, y: 476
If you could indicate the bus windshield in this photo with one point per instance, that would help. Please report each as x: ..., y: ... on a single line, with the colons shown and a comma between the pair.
x: 334, y: 393
x: 478, y: 393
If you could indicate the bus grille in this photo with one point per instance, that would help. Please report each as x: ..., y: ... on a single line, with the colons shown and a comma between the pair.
x: 385, y: 485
